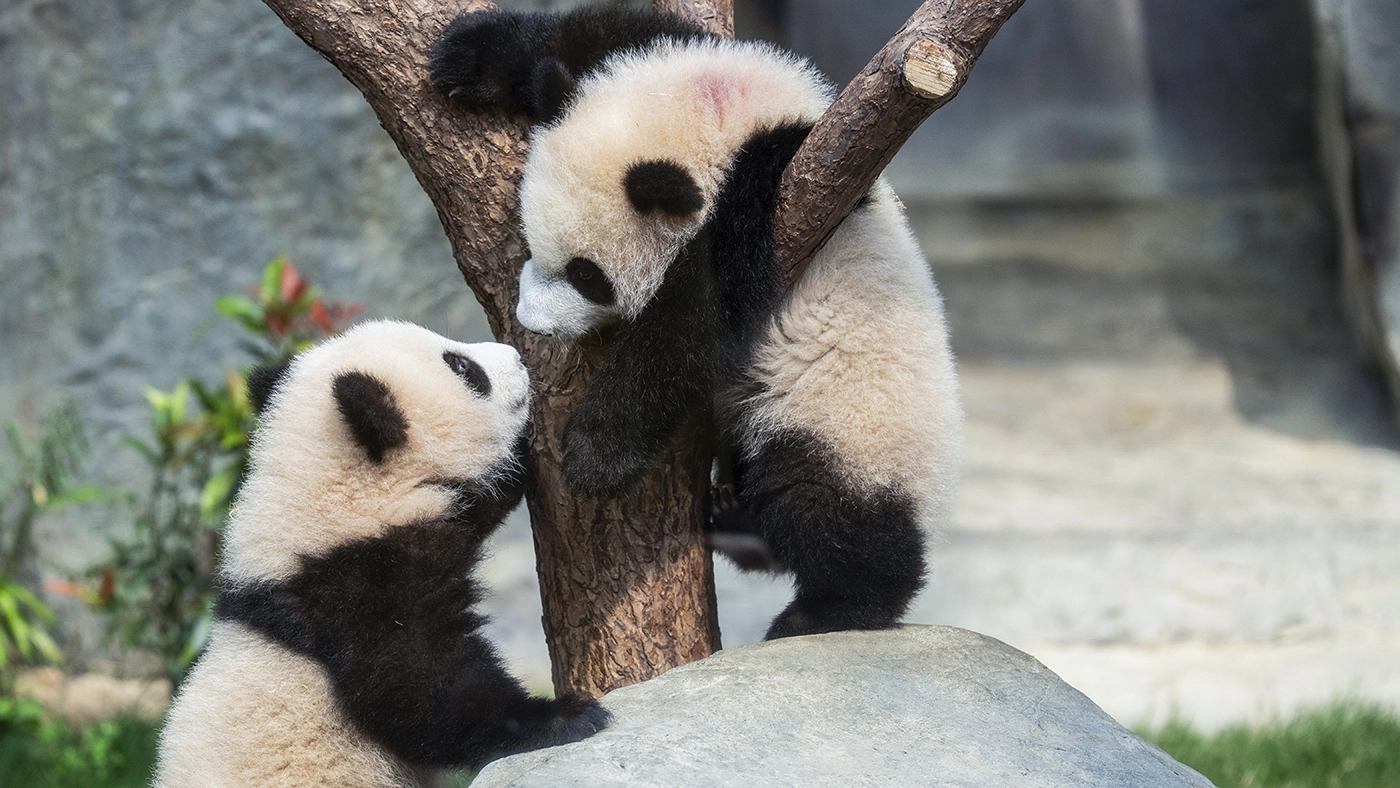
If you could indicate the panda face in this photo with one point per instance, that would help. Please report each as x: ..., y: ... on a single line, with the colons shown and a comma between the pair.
x: 568, y: 302
x: 625, y: 178
x: 598, y: 254
x: 375, y: 428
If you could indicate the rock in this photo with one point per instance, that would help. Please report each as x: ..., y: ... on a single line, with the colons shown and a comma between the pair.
x: 92, y: 697
x: 917, y: 706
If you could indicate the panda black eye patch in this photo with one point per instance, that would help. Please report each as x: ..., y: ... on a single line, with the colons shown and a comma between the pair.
x: 590, y: 281
x: 476, y: 378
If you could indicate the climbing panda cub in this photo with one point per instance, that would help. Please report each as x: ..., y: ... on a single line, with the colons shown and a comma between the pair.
x: 344, y: 649
x: 648, y: 203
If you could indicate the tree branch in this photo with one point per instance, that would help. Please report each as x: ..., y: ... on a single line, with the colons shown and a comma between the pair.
x: 922, y: 68
x: 716, y: 16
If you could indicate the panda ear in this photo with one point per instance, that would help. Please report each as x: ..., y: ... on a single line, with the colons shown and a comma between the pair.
x: 264, y: 380
x: 370, y: 411
x: 664, y: 186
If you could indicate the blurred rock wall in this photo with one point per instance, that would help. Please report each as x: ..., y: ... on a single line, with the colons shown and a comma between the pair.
x: 155, y: 154
x: 1122, y: 98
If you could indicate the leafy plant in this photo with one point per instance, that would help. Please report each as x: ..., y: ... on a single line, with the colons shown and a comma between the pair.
x: 41, y: 476
x: 158, y: 587
x: 38, y: 752
x: 285, y: 314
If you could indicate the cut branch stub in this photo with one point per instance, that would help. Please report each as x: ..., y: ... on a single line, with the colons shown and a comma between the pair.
x: 919, y: 70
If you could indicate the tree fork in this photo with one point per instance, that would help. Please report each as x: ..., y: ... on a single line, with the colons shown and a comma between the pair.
x: 627, y: 584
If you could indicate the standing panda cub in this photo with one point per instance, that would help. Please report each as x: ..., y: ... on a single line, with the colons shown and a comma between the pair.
x: 648, y: 203
x: 344, y: 650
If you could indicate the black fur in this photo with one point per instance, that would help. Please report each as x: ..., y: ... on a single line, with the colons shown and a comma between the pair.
x: 264, y: 380
x: 528, y: 63
x: 391, y: 620
x: 662, y: 186
x: 656, y: 370
x: 369, y: 410
x: 590, y: 281
x: 470, y: 372
x: 857, y: 556
x: 746, y: 248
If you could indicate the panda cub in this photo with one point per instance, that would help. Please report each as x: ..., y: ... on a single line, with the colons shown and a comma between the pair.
x: 344, y: 649
x: 648, y: 202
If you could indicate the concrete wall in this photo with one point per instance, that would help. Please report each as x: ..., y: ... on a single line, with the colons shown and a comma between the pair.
x: 1099, y: 97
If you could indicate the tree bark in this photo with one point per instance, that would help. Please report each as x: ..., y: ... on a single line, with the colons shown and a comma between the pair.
x: 627, y: 585
x: 922, y: 68
x: 716, y: 16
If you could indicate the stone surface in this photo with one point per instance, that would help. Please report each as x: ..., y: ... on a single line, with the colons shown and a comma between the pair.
x: 1092, y: 98
x: 919, y: 706
x: 1358, y: 115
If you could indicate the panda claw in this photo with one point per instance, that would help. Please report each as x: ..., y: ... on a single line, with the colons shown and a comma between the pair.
x: 733, y: 532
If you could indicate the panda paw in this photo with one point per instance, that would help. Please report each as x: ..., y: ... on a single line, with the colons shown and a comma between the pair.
x: 578, y: 718
x: 732, y: 531
x: 814, y: 617
x: 500, y: 61
x: 484, y: 60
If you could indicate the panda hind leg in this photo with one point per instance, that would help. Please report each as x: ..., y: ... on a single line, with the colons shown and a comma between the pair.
x: 857, y: 555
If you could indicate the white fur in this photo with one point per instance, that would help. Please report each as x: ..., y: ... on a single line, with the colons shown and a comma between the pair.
x: 553, y: 306
x: 253, y: 714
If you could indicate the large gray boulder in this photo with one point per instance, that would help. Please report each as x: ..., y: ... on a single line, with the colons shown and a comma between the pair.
x: 917, y: 706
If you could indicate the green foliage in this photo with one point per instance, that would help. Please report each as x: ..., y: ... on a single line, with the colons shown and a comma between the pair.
x: 1343, y: 745
x: 158, y: 587
x: 23, y: 625
x: 37, y: 752
x: 41, y: 475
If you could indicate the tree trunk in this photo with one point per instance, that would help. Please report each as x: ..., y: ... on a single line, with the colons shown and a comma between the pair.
x: 628, y: 585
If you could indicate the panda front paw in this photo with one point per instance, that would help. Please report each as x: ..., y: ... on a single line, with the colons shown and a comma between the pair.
x: 579, y: 717
x: 500, y: 61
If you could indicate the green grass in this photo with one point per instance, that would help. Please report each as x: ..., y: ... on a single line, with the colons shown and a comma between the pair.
x: 1342, y: 745
x: 38, y: 753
